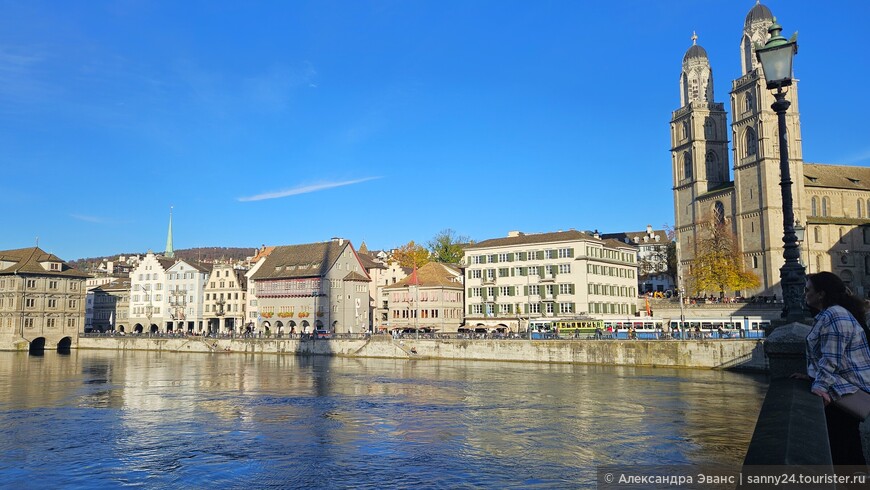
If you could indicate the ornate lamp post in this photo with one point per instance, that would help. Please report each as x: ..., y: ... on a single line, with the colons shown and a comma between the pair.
x: 776, y: 58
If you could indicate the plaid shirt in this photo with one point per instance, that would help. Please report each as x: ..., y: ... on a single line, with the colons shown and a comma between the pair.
x: 838, y: 357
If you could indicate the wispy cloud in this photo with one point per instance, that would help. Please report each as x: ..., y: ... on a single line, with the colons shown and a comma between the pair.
x: 304, y: 189
x: 859, y: 157
x: 89, y: 219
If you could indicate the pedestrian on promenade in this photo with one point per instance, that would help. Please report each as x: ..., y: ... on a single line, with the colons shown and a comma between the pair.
x: 838, y: 359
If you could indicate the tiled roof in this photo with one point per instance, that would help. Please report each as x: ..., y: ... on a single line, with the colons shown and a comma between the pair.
x: 265, y: 251
x: 630, y: 235
x: 120, y: 284
x: 356, y: 276
x: 28, y: 261
x: 540, y: 238
x: 836, y: 176
x: 369, y: 261
x: 306, y: 260
x: 432, y: 274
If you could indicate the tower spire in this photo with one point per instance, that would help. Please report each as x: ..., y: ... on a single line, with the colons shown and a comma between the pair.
x: 169, y: 251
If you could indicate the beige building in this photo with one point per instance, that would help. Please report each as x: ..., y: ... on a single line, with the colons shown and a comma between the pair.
x: 563, y: 274
x: 832, y: 202
x: 316, y: 285
x: 42, y: 300
x: 430, y: 299
x: 226, y: 300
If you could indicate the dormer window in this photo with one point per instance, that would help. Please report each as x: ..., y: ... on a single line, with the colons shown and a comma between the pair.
x: 54, y: 266
x: 854, y: 181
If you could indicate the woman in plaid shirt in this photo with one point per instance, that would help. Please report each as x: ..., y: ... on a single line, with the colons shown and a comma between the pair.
x: 838, y: 359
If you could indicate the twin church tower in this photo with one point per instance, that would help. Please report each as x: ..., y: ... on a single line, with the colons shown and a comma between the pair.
x: 831, y: 202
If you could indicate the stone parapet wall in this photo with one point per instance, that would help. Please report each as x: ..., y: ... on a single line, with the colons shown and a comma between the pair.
x: 706, y: 354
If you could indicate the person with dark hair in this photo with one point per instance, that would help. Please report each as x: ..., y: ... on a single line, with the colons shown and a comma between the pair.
x: 838, y: 359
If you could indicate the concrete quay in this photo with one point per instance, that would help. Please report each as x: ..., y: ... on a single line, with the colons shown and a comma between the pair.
x: 736, y: 354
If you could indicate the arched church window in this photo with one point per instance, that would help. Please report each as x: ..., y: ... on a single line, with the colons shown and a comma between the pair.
x: 866, y: 230
x: 842, y: 235
x: 825, y: 202
x: 685, y: 129
x: 751, y: 142
x: 709, y: 128
x: 719, y: 212
x: 712, y: 167
x: 814, y: 206
x: 867, y: 264
x: 868, y: 208
x: 748, y: 102
x: 817, y: 234
x: 687, y: 165
x: 860, y: 208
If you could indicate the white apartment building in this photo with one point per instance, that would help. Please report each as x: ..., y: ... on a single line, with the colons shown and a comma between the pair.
x: 183, y: 301
x: 148, y: 292
x: 559, y: 275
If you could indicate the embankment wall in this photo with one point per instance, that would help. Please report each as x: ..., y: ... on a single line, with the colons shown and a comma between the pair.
x: 710, y: 354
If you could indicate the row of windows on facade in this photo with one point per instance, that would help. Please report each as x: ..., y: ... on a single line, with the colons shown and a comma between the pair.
x: 820, y: 207
x: 425, y: 296
x: 549, y: 271
x: 491, y: 309
x: 549, y: 290
x: 53, y: 284
x: 709, y: 129
x: 549, y: 254
x: 449, y: 313
x: 551, y: 309
x: 49, y: 322
x: 31, y: 303
x: 711, y: 161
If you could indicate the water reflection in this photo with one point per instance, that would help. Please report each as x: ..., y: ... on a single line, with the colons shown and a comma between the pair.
x: 158, y: 419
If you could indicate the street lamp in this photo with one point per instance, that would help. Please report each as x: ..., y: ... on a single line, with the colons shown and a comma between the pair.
x: 776, y: 58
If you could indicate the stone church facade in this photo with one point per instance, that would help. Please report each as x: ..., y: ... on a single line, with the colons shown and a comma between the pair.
x: 832, y: 202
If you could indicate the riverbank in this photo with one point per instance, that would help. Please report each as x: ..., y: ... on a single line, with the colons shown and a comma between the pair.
x: 747, y: 355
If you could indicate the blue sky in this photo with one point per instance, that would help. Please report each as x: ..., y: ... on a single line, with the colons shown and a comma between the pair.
x: 282, y: 122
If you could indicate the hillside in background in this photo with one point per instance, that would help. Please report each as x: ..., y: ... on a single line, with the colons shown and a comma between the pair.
x: 206, y: 255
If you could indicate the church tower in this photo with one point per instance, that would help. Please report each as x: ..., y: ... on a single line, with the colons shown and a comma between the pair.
x: 755, y: 136
x: 699, y: 153
x: 170, y: 252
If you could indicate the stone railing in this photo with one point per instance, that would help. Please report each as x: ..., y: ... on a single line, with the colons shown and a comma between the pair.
x: 791, y: 428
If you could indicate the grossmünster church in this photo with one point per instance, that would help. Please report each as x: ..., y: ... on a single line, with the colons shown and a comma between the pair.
x: 831, y: 202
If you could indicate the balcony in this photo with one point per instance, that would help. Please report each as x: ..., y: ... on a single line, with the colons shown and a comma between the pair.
x: 488, y: 280
x: 547, y: 278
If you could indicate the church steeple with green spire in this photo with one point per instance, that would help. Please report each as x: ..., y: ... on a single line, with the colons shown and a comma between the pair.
x: 169, y: 251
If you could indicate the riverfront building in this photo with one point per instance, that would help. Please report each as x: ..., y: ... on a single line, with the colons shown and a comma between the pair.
x: 183, y: 301
x: 111, y: 306
x: 832, y: 202
x: 315, y: 285
x: 431, y: 298
x: 226, y: 299
x: 561, y: 274
x: 652, y: 258
x: 42, y: 299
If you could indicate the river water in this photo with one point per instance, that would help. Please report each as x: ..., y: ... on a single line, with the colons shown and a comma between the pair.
x: 114, y: 419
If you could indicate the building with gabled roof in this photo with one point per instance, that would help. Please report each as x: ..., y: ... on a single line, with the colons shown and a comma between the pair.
x: 652, y: 257
x: 111, y: 306
x: 431, y: 299
x: 148, y: 293
x: 564, y: 274
x: 42, y: 300
x: 226, y: 300
x: 314, y: 285
x: 183, y: 302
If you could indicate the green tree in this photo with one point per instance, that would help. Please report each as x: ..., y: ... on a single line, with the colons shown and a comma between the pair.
x: 718, y: 265
x: 411, y: 255
x: 447, y: 246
